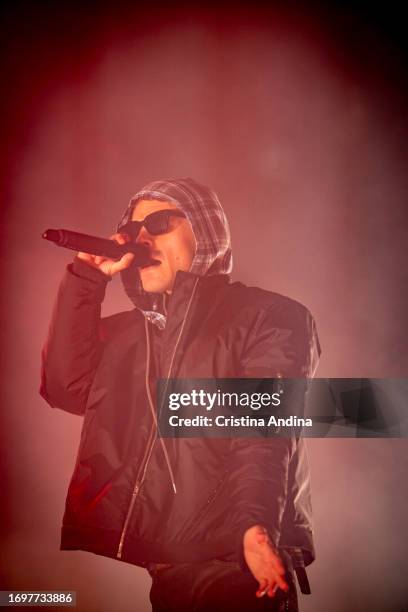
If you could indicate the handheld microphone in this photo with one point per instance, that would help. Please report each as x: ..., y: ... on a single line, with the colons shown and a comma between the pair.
x: 97, y: 246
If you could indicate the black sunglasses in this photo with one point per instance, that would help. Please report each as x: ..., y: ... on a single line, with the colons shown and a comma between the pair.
x: 156, y: 223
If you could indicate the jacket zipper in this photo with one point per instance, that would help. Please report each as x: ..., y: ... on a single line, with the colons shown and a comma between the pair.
x: 152, y: 437
x: 135, y: 493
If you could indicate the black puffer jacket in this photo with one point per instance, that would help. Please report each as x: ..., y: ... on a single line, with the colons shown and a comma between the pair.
x: 139, y: 498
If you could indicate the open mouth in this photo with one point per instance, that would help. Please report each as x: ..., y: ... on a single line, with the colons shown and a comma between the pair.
x: 151, y: 264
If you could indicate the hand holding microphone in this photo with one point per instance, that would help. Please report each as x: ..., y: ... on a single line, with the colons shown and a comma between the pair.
x: 109, y: 266
x: 109, y: 256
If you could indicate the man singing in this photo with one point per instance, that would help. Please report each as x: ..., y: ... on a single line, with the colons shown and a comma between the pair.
x: 219, y: 524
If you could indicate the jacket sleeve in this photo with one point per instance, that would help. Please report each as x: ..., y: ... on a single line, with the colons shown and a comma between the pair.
x: 73, y: 346
x: 283, y: 343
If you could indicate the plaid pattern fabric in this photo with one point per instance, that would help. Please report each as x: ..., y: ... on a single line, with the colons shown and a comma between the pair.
x: 210, y: 226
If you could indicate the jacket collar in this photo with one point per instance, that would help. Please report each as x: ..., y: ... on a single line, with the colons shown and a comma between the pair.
x: 175, y: 304
x: 191, y: 293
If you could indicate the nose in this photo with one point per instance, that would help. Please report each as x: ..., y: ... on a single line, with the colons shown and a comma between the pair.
x: 144, y: 238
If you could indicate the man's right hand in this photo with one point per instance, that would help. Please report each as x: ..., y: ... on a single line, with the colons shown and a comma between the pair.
x: 106, y: 265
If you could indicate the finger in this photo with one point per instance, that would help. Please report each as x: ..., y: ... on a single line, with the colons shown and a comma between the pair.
x: 280, y: 582
x: 84, y: 256
x: 272, y: 590
x: 99, y: 260
x: 123, y: 263
x: 277, y: 574
x: 263, y: 587
x: 120, y: 238
x: 126, y: 260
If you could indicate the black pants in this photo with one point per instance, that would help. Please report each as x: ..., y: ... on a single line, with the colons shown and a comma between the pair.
x: 214, y: 586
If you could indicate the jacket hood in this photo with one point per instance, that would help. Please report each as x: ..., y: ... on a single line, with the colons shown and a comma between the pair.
x: 210, y: 227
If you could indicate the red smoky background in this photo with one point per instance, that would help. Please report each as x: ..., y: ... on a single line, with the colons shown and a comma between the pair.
x: 295, y: 114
